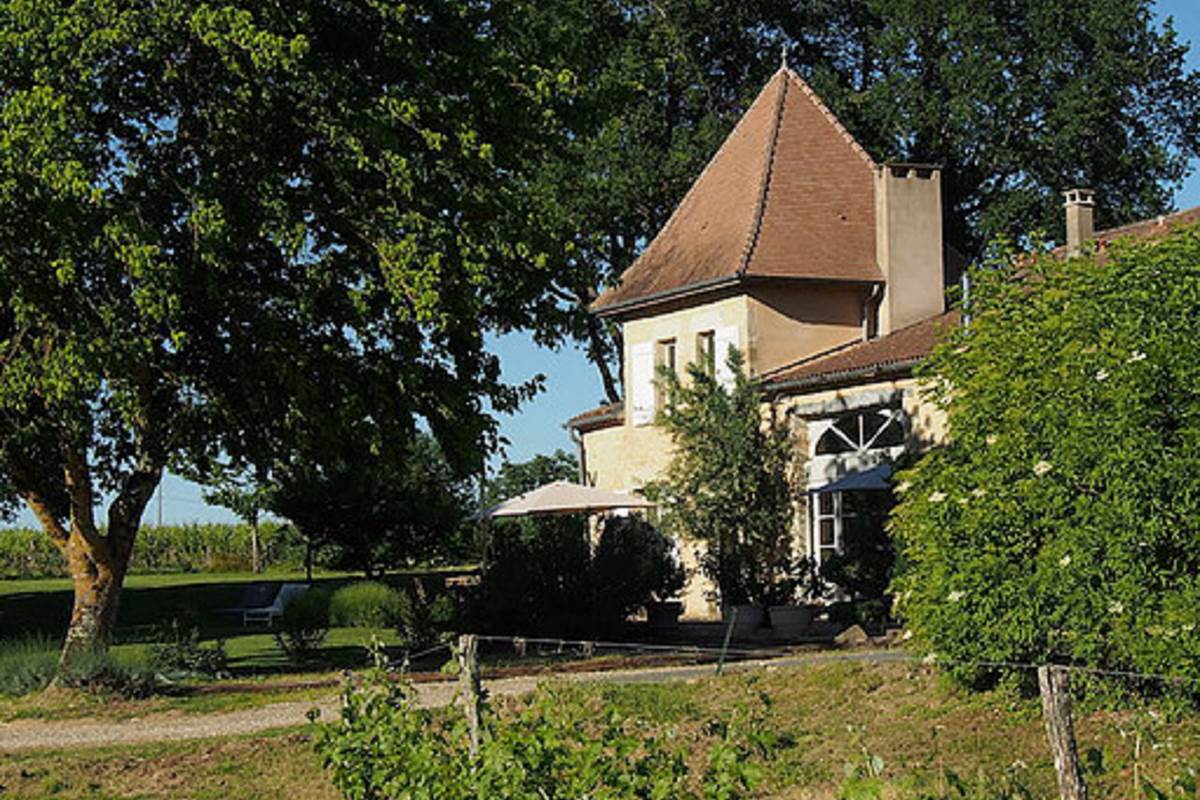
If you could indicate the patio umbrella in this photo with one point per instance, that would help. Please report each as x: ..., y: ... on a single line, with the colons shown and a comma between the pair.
x: 562, y: 497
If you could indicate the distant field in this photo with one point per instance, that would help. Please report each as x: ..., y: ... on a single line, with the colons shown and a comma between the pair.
x: 835, y: 715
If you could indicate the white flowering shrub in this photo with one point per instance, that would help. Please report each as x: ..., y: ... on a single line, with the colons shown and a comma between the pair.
x: 1061, y: 522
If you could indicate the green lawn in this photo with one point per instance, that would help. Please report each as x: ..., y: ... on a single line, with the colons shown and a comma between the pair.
x: 42, y: 607
x: 833, y: 715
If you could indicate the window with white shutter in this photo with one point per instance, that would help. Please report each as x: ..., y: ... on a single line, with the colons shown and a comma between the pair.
x: 641, y: 379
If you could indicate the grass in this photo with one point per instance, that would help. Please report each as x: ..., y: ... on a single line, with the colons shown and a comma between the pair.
x: 41, y: 608
x: 833, y: 714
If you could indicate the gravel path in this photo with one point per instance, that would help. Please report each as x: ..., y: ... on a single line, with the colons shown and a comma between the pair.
x: 176, y: 726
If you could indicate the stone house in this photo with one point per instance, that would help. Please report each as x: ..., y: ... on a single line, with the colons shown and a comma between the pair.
x: 828, y: 270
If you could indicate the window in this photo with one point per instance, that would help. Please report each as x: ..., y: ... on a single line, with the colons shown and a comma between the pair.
x: 860, y: 431
x: 664, y: 358
x: 706, y: 351
x: 831, y: 515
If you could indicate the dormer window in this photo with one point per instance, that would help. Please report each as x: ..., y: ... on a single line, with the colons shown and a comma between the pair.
x: 862, y: 431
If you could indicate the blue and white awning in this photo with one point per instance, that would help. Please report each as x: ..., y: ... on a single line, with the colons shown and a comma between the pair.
x: 877, y: 478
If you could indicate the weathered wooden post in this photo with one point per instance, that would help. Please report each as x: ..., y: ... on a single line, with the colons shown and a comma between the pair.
x: 468, y: 662
x: 1055, y: 684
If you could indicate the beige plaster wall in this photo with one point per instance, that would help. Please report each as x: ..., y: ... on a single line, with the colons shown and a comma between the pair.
x: 683, y: 325
x: 792, y: 321
x: 625, y: 457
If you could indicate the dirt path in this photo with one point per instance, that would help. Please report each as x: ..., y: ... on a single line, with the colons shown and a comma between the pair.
x: 176, y: 726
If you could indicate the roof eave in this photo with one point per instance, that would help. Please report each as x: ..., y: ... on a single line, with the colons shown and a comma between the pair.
x: 827, y: 380
x: 705, y: 287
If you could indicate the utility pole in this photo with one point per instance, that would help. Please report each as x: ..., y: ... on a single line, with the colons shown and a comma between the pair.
x: 160, y: 503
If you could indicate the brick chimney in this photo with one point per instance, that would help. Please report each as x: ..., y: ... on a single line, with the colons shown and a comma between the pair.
x: 1081, y: 226
x: 908, y: 243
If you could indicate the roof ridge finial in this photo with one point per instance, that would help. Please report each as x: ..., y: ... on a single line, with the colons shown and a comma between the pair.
x: 783, y: 56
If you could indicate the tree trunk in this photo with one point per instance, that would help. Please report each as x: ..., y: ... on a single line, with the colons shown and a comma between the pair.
x: 98, y: 580
x: 255, y: 557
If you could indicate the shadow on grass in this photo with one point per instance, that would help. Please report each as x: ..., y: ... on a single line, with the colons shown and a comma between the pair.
x: 196, y: 601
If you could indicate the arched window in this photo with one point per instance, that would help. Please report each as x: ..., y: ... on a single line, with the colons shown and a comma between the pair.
x: 860, y: 431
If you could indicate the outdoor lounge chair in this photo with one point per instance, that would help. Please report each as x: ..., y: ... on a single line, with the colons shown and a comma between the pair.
x: 267, y: 614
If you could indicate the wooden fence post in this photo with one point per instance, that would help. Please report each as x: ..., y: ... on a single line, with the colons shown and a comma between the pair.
x: 468, y: 662
x: 1055, y: 685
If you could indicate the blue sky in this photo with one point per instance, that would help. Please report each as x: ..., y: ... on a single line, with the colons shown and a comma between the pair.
x: 571, y: 382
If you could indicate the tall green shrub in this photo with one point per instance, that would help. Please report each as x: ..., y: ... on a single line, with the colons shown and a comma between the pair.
x: 1061, y: 521
x: 729, y: 485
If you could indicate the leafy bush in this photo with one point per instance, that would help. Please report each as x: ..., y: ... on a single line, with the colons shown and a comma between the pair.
x: 1061, y: 522
x: 29, y: 553
x: 730, y: 483
x: 27, y: 664
x: 634, y: 564
x: 535, y: 580
x: 304, y: 625
x: 110, y: 673
x: 365, y: 604
x: 421, y: 621
x: 542, y: 577
x: 550, y: 748
x: 177, y: 650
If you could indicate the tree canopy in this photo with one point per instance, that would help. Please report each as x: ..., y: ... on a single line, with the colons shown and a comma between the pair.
x: 226, y: 223
x: 1058, y: 524
x: 1016, y: 102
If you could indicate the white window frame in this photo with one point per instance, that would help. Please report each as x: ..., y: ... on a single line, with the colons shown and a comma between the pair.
x: 837, y: 515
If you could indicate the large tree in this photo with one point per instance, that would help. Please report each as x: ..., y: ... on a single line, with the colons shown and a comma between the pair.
x: 223, y: 220
x: 1016, y: 100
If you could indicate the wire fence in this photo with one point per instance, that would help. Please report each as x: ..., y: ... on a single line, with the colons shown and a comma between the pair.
x: 524, y: 646
x: 1053, y: 680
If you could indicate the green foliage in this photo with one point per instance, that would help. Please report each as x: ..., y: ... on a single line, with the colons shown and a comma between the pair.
x: 176, y: 650
x: 104, y: 673
x: 364, y: 604
x: 383, y: 745
x: 730, y: 483
x: 304, y: 625
x: 212, y: 547
x: 634, y: 563
x: 544, y: 578
x: 292, y: 223
x: 373, y: 506
x: 517, y: 477
x: 27, y: 664
x: 421, y: 620
x: 1059, y: 522
x: 536, y: 578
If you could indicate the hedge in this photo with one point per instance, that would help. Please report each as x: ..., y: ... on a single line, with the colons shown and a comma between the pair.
x: 29, y: 553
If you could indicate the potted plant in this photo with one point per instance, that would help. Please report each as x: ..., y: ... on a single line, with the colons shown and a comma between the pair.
x: 729, y: 486
x: 790, y: 616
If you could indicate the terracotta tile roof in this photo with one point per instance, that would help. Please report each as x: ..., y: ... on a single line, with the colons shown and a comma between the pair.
x: 857, y: 361
x: 789, y: 194
x: 604, y: 416
x: 1144, y: 229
